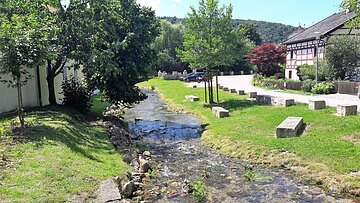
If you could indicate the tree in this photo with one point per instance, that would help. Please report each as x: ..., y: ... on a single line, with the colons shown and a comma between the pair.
x: 267, y: 58
x: 22, y: 39
x: 117, y: 48
x: 308, y: 72
x: 210, y: 39
x: 342, y: 57
x: 170, y: 39
x: 353, y: 6
x: 251, y: 33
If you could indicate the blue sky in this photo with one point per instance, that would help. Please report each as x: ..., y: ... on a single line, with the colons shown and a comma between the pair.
x: 290, y: 12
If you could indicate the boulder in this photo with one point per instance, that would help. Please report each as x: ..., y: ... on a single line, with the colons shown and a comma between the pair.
x: 107, y: 192
x: 128, y: 189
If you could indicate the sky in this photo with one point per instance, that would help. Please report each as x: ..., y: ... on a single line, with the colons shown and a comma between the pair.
x: 289, y: 12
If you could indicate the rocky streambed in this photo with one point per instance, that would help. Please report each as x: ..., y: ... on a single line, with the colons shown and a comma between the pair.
x: 181, y: 169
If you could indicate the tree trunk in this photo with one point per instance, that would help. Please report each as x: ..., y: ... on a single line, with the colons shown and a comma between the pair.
x: 51, y: 88
x: 20, y: 103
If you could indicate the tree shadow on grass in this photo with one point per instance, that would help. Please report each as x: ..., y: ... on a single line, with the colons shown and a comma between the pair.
x: 237, y: 104
x: 79, y: 136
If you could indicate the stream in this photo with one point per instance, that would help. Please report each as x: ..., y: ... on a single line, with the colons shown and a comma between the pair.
x: 180, y: 157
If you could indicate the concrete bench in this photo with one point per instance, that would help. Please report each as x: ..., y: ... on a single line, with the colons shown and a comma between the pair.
x: 252, y: 95
x: 194, y: 86
x: 290, y: 127
x: 233, y: 90
x: 226, y: 89
x: 282, y: 102
x: 241, y: 92
x: 317, y: 104
x: 347, y: 110
x: 263, y: 99
x: 220, y: 112
x: 192, y: 98
x: 221, y: 87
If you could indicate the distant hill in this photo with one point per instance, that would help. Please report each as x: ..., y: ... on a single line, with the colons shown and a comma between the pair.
x: 269, y: 32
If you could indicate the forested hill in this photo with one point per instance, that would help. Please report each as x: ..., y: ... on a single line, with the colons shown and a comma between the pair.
x: 269, y: 32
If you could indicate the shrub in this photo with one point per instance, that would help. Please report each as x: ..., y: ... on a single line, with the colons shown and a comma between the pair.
x: 307, y: 85
x: 279, y: 76
x: 76, y: 95
x: 308, y: 72
x: 323, y: 88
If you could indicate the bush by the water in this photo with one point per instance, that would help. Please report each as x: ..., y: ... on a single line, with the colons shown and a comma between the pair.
x: 323, y: 88
x: 76, y: 95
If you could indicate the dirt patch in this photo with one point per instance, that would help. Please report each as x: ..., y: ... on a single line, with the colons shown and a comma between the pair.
x: 353, y: 138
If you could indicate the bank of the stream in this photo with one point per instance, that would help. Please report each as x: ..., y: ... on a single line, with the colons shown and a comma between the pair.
x: 327, y: 154
x: 184, y: 170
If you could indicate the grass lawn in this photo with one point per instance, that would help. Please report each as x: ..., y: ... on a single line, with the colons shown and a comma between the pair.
x: 324, y: 141
x: 60, y: 157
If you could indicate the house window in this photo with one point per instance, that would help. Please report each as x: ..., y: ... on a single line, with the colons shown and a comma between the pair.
x: 290, y: 74
x: 291, y: 55
x: 64, y: 73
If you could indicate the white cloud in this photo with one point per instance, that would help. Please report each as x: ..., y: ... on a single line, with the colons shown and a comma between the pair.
x: 154, y: 4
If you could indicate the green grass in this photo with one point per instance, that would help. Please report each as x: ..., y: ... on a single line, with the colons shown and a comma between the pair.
x: 323, y: 141
x: 60, y: 158
x: 98, y: 105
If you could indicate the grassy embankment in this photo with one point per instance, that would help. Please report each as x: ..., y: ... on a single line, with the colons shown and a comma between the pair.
x: 59, y: 157
x: 325, y: 154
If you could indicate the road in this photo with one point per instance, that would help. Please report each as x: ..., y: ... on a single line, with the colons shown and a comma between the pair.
x: 243, y: 82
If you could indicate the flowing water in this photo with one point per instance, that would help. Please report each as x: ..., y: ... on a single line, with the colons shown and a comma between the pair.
x: 174, y: 142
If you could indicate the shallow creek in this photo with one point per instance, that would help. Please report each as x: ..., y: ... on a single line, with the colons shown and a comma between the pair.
x: 175, y: 145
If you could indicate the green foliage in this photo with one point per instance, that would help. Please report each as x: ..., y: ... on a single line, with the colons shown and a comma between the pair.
x: 307, y: 85
x: 120, y: 53
x: 267, y: 82
x: 199, y: 190
x: 353, y: 6
x: 251, y: 33
x: 323, y: 88
x: 76, y: 95
x: 308, y: 72
x: 269, y: 32
x: 342, y: 57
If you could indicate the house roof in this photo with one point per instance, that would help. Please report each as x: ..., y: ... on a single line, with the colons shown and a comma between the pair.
x: 297, y: 31
x: 323, y: 27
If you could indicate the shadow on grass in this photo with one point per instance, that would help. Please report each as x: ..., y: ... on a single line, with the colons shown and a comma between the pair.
x: 237, y: 104
x: 74, y: 132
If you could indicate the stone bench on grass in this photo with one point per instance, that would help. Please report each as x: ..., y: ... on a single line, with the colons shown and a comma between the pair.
x: 317, y: 104
x: 221, y: 87
x: 233, y: 90
x: 220, y: 112
x: 263, y: 99
x: 282, y: 102
x: 347, y: 110
x: 192, y: 98
x: 290, y: 127
x: 241, y: 92
x: 226, y: 89
x: 194, y: 86
x: 252, y: 95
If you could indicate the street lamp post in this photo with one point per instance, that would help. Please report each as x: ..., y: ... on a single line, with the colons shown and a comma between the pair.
x: 318, y: 37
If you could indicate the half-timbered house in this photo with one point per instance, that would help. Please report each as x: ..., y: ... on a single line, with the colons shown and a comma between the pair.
x: 305, y: 46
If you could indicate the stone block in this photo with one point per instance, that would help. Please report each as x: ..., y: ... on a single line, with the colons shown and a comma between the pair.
x: 221, y: 87
x: 317, y: 104
x: 282, y: 102
x: 220, y: 112
x: 241, y: 92
x: 347, y: 110
x: 252, y: 95
x: 233, y: 90
x: 263, y: 99
x: 226, y: 89
x: 290, y: 127
x: 192, y: 98
x: 194, y: 86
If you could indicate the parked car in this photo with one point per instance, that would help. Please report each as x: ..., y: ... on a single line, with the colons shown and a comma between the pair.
x: 193, y: 77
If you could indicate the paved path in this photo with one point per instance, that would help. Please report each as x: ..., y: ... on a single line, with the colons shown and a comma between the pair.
x: 243, y: 82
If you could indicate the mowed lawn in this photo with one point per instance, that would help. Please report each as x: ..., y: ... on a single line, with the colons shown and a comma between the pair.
x: 61, y: 157
x: 326, y: 138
